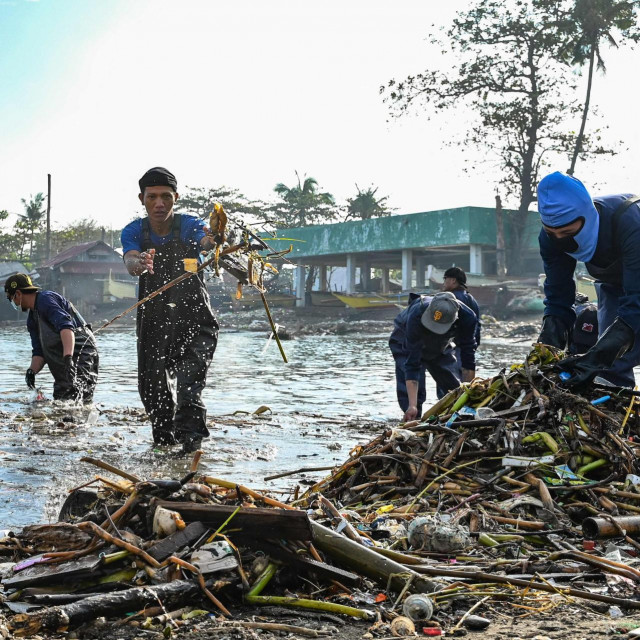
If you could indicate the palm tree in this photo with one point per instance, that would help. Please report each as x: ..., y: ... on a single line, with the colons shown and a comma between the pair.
x: 304, y: 204
x: 365, y: 205
x: 596, y: 21
x: 32, y: 217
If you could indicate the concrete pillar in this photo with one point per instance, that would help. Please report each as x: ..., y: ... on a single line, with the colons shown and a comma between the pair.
x: 351, y: 273
x: 407, y: 269
x: 322, y: 285
x: 365, y: 276
x: 475, y: 259
x: 421, y: 265
x: 384, y: 284
x: 299, y: 280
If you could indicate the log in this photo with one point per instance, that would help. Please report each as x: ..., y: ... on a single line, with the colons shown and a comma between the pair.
x: 261, y: 523
x: 481, y: 576
x: 594, y: 528
x: 368, y: 562
x: 172, y: 595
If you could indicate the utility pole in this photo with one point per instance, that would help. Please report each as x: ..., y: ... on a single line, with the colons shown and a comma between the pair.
x: 48, y: 215
x: 501, y: 265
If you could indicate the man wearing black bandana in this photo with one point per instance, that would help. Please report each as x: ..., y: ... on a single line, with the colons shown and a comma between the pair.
x: 177, y: 330
x: 604, y: 233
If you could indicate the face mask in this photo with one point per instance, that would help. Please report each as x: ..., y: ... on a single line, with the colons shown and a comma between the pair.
x: 567, y: 245
x: 15, y: 306
x: 583, y: 244
x: 586, y: 240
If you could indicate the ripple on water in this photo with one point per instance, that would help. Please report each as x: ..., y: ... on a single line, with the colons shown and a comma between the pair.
x: 344, y: 378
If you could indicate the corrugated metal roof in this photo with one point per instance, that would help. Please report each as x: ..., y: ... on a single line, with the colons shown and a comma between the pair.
x: 72, y: 252
x: 9, y: 267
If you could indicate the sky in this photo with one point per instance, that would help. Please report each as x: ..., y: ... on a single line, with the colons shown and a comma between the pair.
x: 243, y: 94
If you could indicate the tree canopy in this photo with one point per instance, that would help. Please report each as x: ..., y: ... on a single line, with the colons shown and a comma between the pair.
x: 591, y: 23
x: 365, y: 205
x: 506, y: 62
x: 199, y: 201
x: 302, y: 204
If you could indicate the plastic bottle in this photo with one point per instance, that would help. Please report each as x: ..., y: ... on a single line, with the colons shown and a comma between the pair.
x: 418, y: 607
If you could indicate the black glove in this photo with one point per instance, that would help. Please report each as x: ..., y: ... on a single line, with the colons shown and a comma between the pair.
x: 30, y: 378
x: 70, y: 369
x: 611, y: 345
x: 554, y: 332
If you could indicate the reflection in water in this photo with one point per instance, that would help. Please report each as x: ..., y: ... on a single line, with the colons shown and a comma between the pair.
x: 329, y: 381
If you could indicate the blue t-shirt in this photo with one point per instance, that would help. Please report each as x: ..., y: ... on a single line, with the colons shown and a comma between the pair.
x: 191, y: 232
x: 53, y: 308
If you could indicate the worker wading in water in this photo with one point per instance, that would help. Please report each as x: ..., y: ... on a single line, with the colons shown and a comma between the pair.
x: 177, y: 330
x: 423, y: 340
x: 60, y: 338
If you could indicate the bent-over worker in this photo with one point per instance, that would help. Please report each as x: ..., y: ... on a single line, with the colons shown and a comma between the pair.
x: 177, y: 330
x: 604, y: 233
x: 422, y: 341
x: 60, y: 338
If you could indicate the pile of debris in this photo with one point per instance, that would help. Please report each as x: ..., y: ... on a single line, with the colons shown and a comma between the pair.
x: 510, y: 494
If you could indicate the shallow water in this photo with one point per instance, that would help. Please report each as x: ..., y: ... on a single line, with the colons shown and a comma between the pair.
x: 336, y: 391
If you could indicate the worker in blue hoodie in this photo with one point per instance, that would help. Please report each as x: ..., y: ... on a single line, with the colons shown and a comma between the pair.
x: 604, y: 233
x: 422, y: 341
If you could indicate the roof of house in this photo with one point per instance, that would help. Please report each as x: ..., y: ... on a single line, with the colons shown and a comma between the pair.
x: 71, y: 253
x: 9, y: 267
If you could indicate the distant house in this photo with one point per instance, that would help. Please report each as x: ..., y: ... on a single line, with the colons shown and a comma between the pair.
x: 9, y: 268
x: 92, y: 275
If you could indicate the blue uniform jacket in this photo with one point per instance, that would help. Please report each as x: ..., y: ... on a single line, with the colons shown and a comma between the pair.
x: 559, y: 287
x: 410, y: 337
x: 191, y: 233
x: 53, y: 308
x: 466, y: 298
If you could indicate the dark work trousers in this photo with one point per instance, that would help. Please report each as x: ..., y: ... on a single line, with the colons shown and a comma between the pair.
x: 171, y: 389
x: 443, y: 370
x: 621, y: 373
x: 177, y: 336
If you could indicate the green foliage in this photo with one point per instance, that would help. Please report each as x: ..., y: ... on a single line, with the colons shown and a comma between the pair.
x: 302, y: 205
x: 9, y: 242
x: 590, y: 24
x: 594, y: 22
x: 199, y: 201
x: 508, y: 66
x: 31, y: 221
x: 365, y: 205
x: 79, y: 231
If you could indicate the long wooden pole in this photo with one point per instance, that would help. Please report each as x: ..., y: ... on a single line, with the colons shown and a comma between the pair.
x: 184, y: 276
x: 48, y: 215
x: 273, y: 327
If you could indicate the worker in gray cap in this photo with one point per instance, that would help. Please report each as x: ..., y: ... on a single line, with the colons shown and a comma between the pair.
x: 424, y: 339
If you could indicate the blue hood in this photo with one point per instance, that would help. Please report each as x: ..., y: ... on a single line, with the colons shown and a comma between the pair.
x: 562, y: 199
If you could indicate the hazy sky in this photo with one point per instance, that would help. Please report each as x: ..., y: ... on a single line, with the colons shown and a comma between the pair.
x: 242, y: 94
